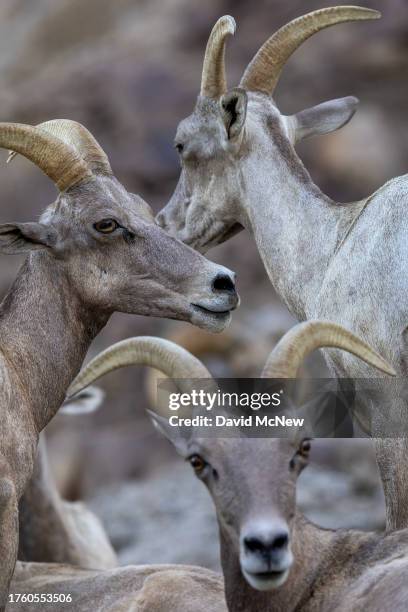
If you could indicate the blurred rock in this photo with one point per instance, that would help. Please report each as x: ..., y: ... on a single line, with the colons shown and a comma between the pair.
x: 166, y: 519
x: 341, y: 487
x: 356, y: 153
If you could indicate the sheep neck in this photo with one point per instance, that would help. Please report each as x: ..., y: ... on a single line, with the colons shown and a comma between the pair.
x: 45, y: 331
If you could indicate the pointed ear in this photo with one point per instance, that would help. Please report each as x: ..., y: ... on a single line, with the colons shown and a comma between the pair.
x: 233, y: 107
x: 178, y: 436
x: 25, y: 237
x: 321, y: 119
x: 86, y: 401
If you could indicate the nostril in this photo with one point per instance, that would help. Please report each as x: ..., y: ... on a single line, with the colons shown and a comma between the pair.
x: 254, y: 544
x: 266, y: 546
x: 222, y: 282
x: 280, y: 541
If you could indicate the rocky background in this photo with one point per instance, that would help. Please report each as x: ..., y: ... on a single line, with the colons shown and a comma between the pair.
x: 130, y: 70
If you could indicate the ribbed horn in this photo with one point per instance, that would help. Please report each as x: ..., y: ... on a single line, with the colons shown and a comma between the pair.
x: 290, y: 352
x: 163, y: 355
x: 77, y: 136
x: 263, y: 73
x: 59, y: 161
x: 213, y: 80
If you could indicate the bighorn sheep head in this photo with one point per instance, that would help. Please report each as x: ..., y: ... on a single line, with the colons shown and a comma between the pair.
x: 252, y: 481
x: 104, y: 240
x: 231, y: 131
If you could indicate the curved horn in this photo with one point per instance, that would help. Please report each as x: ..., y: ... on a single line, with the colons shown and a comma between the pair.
x: 198, y: 343
x: 290, y: 352
x: 213, y: 80
x: 163, y: 355
x: 77, y: 136
x: 59, y: 161
x: 263, y: 73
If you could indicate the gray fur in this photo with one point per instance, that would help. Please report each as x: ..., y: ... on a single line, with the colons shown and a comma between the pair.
x: 252, y: 482
x: 73, y: 279
x: 340, y: 262
x: 143, y: 588
x: 53, y: 530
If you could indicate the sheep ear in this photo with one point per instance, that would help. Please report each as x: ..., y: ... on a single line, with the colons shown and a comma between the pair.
x: 24, y: 237
x: 86, y: 401
x: 234, y: 107
x: 178, y: 436
x: 321, y: 119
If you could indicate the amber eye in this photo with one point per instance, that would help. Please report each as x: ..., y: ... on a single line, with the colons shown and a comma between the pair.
x: 301, y: 457
x: 305, y: 447
x: 197, y: 463
x: 106, y: 226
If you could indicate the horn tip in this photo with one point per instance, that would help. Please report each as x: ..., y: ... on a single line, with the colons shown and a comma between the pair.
x: 373, y: 14
x: 73, y: 390
x: 385, y: 367
x: 360, y: 12
x: 390, y: 370
x: 11, y: 156
x: 229, y: 23
x: 368, y: 13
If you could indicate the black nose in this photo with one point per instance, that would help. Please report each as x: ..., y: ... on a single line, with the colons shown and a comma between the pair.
x: 265, y: 546
x: 223, y: 282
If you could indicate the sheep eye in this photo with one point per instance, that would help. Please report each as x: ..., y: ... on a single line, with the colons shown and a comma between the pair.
x: 179, y: 146
x: 300, y: 458
x: 304, y: 447
x: 106, y: 226
x: 197, y: 463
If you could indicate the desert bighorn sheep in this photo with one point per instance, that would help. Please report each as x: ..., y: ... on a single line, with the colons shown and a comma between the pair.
x: 343, y: 262
x: 53, y: 530
x: 96, y: 250
x: 145, y: 588
x: 274, y: 559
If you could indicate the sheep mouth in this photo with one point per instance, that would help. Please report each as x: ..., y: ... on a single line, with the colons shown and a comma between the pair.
x: 266, y: 581
x: 210, y: 311
x: 269, y: 575
x: 209, y: 319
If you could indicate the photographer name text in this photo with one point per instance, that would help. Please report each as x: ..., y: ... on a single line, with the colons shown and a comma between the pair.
x: 243, y: 421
